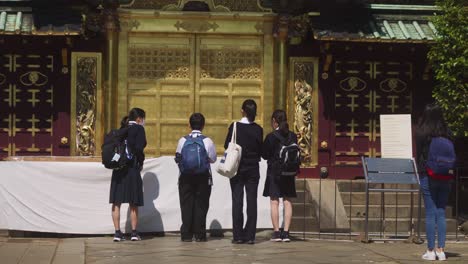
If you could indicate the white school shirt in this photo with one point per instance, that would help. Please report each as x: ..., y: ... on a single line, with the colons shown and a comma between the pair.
x: 245, y: 120
x: 209, y: 145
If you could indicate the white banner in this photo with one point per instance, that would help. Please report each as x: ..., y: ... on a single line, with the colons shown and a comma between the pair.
x: 73, y: 197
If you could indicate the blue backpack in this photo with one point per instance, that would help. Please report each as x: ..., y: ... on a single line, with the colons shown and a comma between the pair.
x: 194, y: 158
x: 441, y: 158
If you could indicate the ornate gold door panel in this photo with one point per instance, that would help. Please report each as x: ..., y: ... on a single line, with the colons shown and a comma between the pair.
x: 174, y: 75
x: 303, y: 108
x: 161, y: 72
x: 86, y: 104
x: 175, y: 63
x: 228, y: 71
x: 364, y: 90
x: 32, y: 122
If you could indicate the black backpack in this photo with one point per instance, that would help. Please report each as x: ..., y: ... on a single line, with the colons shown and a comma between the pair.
x: 114, y: 154
x: 289, y: 155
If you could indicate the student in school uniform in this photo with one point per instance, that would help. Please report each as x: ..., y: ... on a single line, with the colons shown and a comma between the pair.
x: 194, y: 154
x: 250, y: 138
x: 277, y: 186
x: 126, y: 183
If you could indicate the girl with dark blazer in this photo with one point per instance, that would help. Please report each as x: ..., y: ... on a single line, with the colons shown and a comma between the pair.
x: 126, y: 183
x: 276, y: 186
x: 250, y: 138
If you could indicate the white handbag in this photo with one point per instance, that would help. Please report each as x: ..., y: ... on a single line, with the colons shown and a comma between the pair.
x: 230, y: 161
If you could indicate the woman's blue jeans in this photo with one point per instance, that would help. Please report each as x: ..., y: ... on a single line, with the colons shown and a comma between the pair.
x: 435, y: 194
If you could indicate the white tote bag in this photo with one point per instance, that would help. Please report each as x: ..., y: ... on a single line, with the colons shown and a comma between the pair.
x: 230, y: 161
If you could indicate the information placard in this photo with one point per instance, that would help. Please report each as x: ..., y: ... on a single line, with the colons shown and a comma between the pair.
x: 396, y: 136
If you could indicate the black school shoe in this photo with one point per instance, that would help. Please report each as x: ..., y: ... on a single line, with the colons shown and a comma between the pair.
x: 118, y: 236
x: 238, y: 241
x: 285, y: 236
x: 276, y: 237
x: 135, y: 237
x: 200, y: 237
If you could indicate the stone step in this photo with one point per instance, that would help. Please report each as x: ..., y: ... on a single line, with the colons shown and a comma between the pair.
x: 301, y: 195
x: 300, y: 185
x: 359, y: 198
x: 301, y: 209
x: 299, y: 224
x: 3, y: 233
x: 357, y: 225
x: 390, y: 211
x: 360, y: 186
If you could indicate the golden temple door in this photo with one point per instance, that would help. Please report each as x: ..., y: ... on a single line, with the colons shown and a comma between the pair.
x: 172, y: 75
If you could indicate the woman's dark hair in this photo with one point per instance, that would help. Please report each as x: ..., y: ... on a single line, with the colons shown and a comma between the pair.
x: 432, y: 122
x: 250, y: 109
x: 281, y: 118
x: 135, y: 113
x: 124, y: 122
x: 197, y: 121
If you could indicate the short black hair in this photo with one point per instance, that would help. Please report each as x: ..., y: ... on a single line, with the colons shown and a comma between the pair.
x: 197, y: 121
x: 135, y: 113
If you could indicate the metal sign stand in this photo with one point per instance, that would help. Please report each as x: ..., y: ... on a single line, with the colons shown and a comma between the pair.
x: 380, y: 171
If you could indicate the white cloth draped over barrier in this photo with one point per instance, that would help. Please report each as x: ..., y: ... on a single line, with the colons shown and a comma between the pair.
x: 73, y: 197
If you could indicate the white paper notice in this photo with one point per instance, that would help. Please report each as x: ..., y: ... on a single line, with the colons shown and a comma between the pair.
x: 396, y: 136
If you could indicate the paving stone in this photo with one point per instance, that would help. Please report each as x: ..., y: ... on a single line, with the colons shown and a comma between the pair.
x: 40, y: 253
x: 12, y: 251
x: 70, y: 251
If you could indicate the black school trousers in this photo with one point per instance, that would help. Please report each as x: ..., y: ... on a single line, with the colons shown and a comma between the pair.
x: 246, y: 178
x: 194, y: 196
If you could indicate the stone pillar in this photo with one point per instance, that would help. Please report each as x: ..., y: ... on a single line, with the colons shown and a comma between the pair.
x: 282, y: 55
x: 110, y: 65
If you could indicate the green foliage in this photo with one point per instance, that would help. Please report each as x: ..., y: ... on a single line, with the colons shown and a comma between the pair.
x: 449, y: 57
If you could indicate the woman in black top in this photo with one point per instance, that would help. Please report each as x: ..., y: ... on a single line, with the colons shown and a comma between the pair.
x: 276, y: 186
x: 249, y: 137
x: 126, y: 183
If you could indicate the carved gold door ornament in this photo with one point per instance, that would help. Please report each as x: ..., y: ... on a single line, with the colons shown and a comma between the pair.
x: 86, y: 103
x: 196, y: 26
x: 393, y: 85
x: 33, y: 78
x: 303, y: 106
x: 213, y: 5
x: 231, y: 64
x: 158, y: 63
x: 353, y: 84
x: 2, y: 78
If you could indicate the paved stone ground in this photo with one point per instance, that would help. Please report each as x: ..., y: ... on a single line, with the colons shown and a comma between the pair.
x: 170, y: 249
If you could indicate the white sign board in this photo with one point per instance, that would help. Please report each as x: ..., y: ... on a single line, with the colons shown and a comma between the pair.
x: 396, y: 136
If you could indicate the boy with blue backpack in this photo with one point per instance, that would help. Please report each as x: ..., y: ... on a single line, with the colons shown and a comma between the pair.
x: 194, y: 154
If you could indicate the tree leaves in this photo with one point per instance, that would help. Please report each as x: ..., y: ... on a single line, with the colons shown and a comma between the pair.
x: 449, y: 59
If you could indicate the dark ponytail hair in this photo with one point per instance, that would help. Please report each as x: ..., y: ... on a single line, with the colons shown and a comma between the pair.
x: 432, y: 122
x: 250, y: 109
x: 281, y: 118
x: 136, y: 113
x: 124, y: 122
